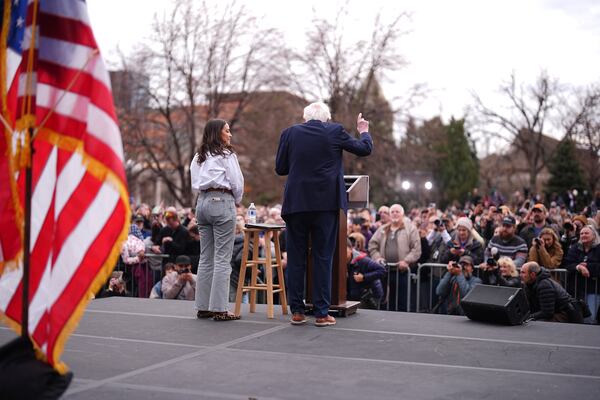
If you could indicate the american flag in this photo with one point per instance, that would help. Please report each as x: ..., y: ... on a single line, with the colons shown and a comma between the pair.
x: 54, y: 80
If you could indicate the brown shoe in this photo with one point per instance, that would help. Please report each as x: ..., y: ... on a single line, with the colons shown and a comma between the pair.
x: 298, y: 319
x: 225, y: 316
x: 325, y: 321
x: 204, y: 314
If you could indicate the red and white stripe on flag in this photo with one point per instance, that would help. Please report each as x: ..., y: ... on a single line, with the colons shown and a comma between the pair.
x: 80, y: 208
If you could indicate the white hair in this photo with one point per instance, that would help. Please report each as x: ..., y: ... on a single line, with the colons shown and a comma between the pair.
x: 318, y: 111
x: 398, y: 206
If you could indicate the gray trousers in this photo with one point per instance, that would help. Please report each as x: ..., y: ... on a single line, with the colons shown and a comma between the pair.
x: 215, y: 213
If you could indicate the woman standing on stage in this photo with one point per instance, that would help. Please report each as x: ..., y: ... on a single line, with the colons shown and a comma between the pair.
x: 217, y: 176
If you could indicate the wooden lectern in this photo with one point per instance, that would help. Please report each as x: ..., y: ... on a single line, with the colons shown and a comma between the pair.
x: 357, y: 190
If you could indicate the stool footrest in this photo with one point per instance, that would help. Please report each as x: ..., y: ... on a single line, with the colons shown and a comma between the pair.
x: 249, y: 288
x: 250, y: 264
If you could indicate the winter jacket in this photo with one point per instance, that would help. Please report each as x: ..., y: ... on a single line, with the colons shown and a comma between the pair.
x: 546, y: 297
x: 577, y: 283
x: 472, y: 248
x: 548, y: 258
x: 131, y: 250
x: 372, y: 272
x: 408, y: 238
x: 175, y: 247
x: 577, y: 255
x: 172, y: 287
x: 454, y: 288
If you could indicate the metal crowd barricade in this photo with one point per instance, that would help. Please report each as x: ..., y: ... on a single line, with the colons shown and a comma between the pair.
x: 392, y: 287
x: 131, y: 282
x: 587, y: 289
x: 435, y: 271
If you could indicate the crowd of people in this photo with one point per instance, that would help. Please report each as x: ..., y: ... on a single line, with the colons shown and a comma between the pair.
x: 481, y: 243
x: 486, y: 241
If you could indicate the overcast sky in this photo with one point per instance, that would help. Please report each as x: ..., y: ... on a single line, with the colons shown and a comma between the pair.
x: 454, y: 47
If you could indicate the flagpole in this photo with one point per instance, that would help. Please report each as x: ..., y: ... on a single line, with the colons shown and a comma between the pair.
x: 27, y: 238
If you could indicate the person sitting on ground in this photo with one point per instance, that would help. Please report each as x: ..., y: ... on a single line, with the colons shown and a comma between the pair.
x: 500, y: 273
x: 456, y: 283
x: 116, y: 285
x: 546, y: 250
x: 548, y: 300
x: 156, y: 292
x: 364, y: 278
x: 180, y: 284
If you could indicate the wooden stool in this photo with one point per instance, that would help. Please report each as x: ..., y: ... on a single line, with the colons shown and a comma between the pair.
x: 252, y: 232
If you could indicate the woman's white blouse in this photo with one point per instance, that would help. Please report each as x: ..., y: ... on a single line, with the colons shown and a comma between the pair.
x: 219, y: 172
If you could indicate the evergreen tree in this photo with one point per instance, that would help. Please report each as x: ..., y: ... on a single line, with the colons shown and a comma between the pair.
x: 458, y: 169
x: 565, y: 171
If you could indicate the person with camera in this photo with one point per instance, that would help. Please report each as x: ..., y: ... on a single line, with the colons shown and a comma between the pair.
x: 548, y: 300
x: 462, y: 243
x: 571, y: 230
x: 364, y: 278
x: 538, y: 223
x: 500, y: 272
x: 180, y: 283
x: 583, y: 259
x: 439, y: 233
x: 507, y: 243
x: 546, y: 249
x: 456, y: 283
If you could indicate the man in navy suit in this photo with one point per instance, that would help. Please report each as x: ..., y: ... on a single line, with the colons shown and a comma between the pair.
x: 310, y: 154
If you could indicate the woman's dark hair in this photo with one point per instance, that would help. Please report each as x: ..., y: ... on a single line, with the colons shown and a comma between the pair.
x: 211, y: 140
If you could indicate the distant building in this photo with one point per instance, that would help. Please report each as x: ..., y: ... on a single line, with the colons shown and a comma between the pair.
x: 509, y: 171
x: 255, y: 131
x: 130, y: 90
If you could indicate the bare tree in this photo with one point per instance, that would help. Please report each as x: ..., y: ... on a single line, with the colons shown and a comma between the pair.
x: 521, y: 121
x: 581, y: 123
x: 346, y: 73
x: 202, y: 61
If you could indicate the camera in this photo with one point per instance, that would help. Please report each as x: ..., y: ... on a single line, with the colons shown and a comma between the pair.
x: 491, y: 262
x: 184, y: 271
x: 568, y: 226
x: 437, y: 222
x: 537, y: 241
x: 456, y: 265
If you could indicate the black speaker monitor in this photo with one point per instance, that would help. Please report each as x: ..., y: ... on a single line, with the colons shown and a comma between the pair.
x: 496, y: 304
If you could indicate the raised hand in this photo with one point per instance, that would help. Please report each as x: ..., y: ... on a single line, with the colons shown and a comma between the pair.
x: 362, y: 125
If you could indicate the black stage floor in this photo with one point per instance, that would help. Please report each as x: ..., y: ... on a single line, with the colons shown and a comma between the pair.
x: 155, y: 349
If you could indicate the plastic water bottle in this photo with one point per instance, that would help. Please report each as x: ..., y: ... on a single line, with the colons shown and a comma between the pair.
x: 251, y: 214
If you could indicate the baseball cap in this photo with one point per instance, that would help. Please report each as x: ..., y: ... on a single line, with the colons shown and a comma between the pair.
x: 466, y: 259
x: 509, y: 220
x: 540, y: 207
x: 183, y: 260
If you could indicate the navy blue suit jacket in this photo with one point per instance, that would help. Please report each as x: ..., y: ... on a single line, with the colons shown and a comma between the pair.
x: 310, y: 154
